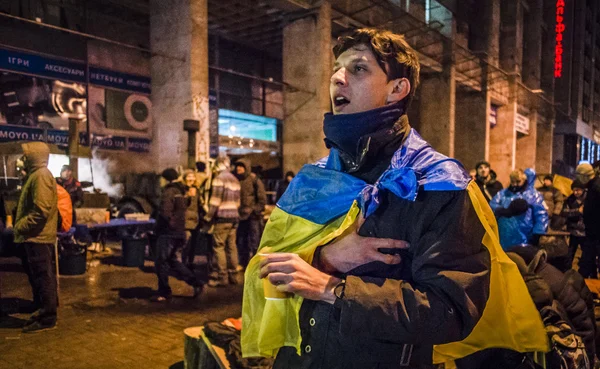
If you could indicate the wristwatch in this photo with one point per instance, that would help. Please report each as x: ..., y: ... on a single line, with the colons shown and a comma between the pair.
x: 338, y: 291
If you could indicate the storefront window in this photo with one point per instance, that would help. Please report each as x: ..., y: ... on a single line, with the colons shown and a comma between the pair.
x: 234, y: 124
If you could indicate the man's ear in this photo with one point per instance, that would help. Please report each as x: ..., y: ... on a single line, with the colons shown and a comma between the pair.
x: 400, y: 88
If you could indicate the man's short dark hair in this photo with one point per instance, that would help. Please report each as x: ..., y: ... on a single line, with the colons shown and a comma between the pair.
x: 394, y: 55
x: 200, y: 166
x: 549, y: 177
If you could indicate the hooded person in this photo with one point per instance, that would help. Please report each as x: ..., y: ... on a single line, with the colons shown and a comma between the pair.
x: 591, y: 218
x: 253, y: 200
x: 520, y: 211
x: 172, y: 237
x: 486, y: 180
x: 386, y: 251
x: 35, y: 229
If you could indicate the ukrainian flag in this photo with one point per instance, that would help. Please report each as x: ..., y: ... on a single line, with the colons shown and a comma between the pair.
x: 322, y: 203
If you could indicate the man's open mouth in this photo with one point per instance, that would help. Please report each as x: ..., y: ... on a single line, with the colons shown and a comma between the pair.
x: 340, y: 101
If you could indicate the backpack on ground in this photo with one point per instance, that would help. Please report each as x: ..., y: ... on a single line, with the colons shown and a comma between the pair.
x: 567, y: 350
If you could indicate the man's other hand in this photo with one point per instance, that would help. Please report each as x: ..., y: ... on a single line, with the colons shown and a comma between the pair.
x: 289, y: 273
x: 352, y: 251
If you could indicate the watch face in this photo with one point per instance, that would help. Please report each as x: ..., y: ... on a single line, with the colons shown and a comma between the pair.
x: 338, y: 291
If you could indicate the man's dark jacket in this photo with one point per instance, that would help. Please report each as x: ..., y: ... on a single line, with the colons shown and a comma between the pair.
x: 252, y: 194
x: 591, y: 209
x: 489, y: 188
x: 171, y: 213
x: 395, y: 314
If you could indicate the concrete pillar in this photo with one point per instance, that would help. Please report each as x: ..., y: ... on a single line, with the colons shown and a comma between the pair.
x: 307, y: 64
x: 436, y: 107
x: 511, y: 36
x: 527, y: 145
x: 179, y: 69
x: 545, y: 144
x: 486, y: 20
x: 532, y: 50
x: 503, y: 137
x: 472, y: 127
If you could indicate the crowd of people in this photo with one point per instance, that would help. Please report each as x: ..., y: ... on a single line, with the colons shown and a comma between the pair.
x: 386, y: 252
x: 224, y: 210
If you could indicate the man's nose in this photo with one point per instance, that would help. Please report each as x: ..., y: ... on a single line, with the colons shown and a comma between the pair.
x: 339, y: 77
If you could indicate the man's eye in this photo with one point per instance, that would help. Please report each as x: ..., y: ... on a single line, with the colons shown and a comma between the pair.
x: 358, y: 68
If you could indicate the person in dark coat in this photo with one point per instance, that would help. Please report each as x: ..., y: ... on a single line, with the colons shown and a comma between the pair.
x: 569, y: 289
x: 171, y: 232
x: 283, y: 185
x: 370, y: 299
x: 590, y: 250
x: 253, y: 201
x: 573, y: 213
x: 486, y: 180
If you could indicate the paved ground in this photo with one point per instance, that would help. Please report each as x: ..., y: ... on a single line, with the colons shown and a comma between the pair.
x: 105, y: 319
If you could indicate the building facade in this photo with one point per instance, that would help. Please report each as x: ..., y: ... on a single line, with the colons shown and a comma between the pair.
x: 255, y: 76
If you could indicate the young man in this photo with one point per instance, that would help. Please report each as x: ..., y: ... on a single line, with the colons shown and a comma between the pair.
x: 414, y: 274
x: 588, y: 266
x: 520, y: 211
x: 35, y: 230
x: 554, y: 200
x: 486, y: 182
x: 172, y: 237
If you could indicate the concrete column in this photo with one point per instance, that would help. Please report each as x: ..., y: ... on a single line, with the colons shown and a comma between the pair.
x: 511, y: 36
x: 472, y: 127
x: 307, y: 64
x: 532, y: 51
x: 545, y: 136
x: 527, y: 145
x: 486, y: 20
x: 179, y: 69
x: 503, y: 137
x: 436, y: 109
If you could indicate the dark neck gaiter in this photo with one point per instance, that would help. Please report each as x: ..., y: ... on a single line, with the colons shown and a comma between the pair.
x: 345, y: 130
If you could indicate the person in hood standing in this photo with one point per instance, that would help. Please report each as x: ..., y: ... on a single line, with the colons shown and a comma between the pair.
x: 588, y: 267
x: 573, y: 213
x: 35, y: 230
x: 520, y: 211
x: 172, y: 237
x: 253, y: 200
x: 486, y: 181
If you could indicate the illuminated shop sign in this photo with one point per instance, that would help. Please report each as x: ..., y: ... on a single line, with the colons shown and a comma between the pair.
x: 560, y: 28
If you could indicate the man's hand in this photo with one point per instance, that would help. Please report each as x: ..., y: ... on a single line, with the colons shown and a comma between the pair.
x: 292, y: 274
x: 352, y: 251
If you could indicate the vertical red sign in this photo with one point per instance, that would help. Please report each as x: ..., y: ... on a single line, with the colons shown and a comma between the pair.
x: 560, y: 28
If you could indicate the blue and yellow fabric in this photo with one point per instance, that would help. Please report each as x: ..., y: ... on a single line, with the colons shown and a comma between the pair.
x: 322, y: 203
